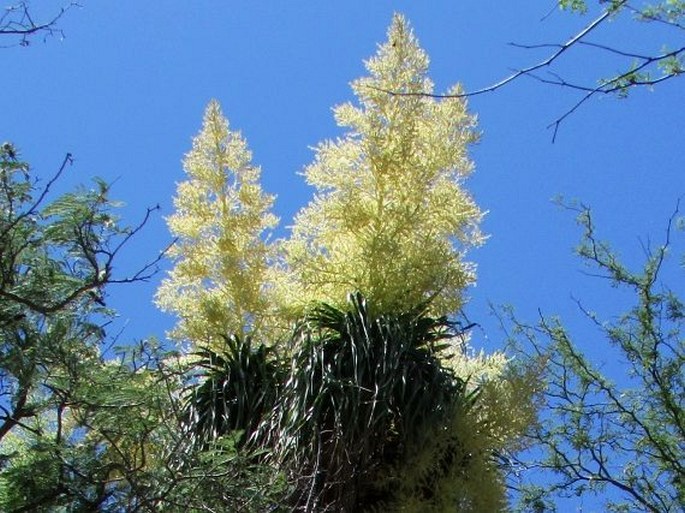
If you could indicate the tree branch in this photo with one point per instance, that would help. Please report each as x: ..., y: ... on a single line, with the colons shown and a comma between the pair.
x: 636, y: 76
x: 17, y: 21
x: 561, y: 48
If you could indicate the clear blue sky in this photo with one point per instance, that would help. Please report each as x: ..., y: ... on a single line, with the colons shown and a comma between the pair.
x: 126, y: 89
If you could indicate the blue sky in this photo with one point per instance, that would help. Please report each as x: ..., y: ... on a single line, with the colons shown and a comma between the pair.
x: 126, y: 89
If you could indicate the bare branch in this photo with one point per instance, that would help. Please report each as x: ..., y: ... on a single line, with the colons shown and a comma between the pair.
x: 18, y: 22
x: 617, y: 84
x: 637, y: 75
x: 519, y: 73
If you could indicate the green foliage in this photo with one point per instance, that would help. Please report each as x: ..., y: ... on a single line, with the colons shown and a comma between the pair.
x: 87, y: 452
x: 238, y: 386
x: 220, y: 477
x: 362, y: 389
x: 643, y: 68
x: 367, y: 414
x: 578, y: 6
x: 671, y: 11
x: 624, y: 434
x: 581, y: 7
x: 73, y: 426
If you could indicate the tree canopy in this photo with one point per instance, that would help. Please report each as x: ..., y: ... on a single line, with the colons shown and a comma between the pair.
x: 616, y: 433
x: 72, y: 423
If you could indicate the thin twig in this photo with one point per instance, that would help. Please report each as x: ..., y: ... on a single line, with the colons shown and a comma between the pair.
x: 516, y: 74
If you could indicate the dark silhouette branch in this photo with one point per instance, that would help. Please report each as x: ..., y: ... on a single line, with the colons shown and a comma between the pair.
x: 618, y: 84
x: 518, y: 73
x: 669, y: 64
x: 17, y: 21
